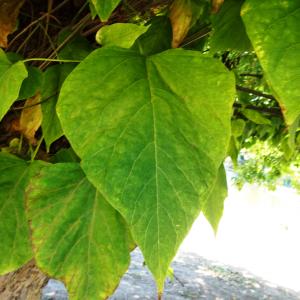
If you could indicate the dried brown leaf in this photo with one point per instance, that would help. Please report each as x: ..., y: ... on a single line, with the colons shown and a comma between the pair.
x: 216, y: 5
x: 31, y: 118
x: 181, y: 18
x: 9, y: 11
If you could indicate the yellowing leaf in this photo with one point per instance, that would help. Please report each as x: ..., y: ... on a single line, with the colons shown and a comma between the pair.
x: 181, y: 19
x: 31, y: 118
x: 9, y: 11
x: 78, y: 237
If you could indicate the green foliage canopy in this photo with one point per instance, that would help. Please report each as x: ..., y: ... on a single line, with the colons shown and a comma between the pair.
x: 134, y: 133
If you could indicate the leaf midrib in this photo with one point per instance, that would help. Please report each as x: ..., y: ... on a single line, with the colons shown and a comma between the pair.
x: 156, y: 164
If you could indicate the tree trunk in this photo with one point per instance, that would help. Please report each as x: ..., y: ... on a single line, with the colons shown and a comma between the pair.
x: 24, y: 284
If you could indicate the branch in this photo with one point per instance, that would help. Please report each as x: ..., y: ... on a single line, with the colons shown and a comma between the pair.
x: 276, y: 111
x: 252, y: 75
x: 254, y: 92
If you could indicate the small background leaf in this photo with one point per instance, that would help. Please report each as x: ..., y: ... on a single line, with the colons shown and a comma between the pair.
x: 229, y: 32
x: 77, y: 48
x: 32, y: 84
x: 54, y: 76
x: 255, y: 117
x: 120, y: 34
x: 157, y: 38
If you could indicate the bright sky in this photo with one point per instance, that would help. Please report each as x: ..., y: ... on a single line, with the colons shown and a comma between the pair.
x: 259, y: 231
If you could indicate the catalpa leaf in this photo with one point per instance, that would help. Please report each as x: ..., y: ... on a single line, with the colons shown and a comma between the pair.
x: 15, y: 247
x: 151, y: 133
x: 77, y: 236
x: 11, y: 78
x: 267, y: 22
x: 104, y: 8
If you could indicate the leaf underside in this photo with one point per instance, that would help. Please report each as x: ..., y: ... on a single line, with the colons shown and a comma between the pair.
x: 160, y: 128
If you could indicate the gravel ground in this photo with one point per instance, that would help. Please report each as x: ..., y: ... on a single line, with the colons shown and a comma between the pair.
x: 194, y: 278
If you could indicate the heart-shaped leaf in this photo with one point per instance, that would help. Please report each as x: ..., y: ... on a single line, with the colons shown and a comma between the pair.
x: 151, y: 133
x: 78, y: 237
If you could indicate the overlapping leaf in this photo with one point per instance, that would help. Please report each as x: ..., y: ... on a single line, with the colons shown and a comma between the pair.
x: 151, y: 133
x: 54, y: 76
x: 78, y: 237
x: 15, y: 248
x: 11, y: 78
x: 273, y: 28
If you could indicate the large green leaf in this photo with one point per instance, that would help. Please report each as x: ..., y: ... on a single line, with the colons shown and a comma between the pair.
x: 213, y: 208
x: 11, y: 78
x: 77, y: 236
x: 228, y: 29
x: 151, y: 133
x: 15, y: 249
x: 104, y: 8
x: 273, y: 28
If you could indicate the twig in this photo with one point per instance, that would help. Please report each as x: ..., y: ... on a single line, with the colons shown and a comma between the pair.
x: 38, y: 103
x: 251, y: 75
x: 269, y: 110
x: 36, y: 21
x: 254, y: 92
